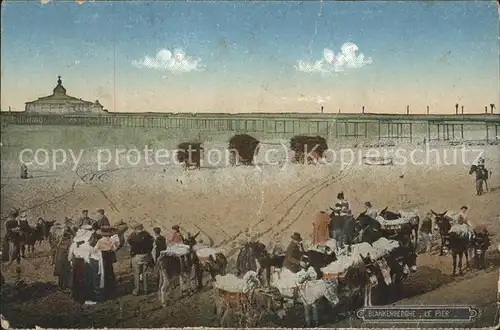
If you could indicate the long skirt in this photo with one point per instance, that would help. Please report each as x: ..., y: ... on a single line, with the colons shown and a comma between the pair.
x: 109, y: 258
x: 78, y: 279
x: 62, y: 268
x: 92, y: 281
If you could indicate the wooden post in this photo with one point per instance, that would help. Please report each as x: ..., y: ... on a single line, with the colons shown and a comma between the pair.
x: 486, y: 109
x: 462, y: 131
x: 407, y: 109
x: 453, y: 131
x: 439, y: 133
x: 411, y: 132
x: 363, y: 109
x: 487, y: 133
x: 336, y: 129
x: 462, y: 109
x: 427, y: 109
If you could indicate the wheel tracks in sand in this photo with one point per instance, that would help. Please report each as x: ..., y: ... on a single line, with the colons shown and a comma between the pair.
x: 123, y: 200
x: 313, y: 187
x: 51, y: 200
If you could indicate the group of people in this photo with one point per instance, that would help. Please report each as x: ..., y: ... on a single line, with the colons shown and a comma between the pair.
x: 322, y: 231
x: 321, y: 226
x: 84, y: 252
x: 144, y: 253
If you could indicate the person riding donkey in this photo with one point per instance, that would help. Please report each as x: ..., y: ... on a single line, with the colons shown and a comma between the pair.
x: 340, y: 204
x: 370, y: 211
x: 177, y: 237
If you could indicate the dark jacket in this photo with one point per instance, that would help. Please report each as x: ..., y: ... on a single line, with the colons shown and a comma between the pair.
x: 293, y: 257
x: 16, y: 236
x: 480, y: 171
x: 103, y: 222
x: 85, y: 221
x: 426, y: 226
x: 161, y: 245
x: 140, y: 243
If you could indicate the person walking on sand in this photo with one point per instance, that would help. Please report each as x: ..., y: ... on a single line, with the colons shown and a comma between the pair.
x: 62, y: 266
x: 141, y: 245
x: 108, y: 243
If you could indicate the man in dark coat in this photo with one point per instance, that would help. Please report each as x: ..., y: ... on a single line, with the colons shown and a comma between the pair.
x: 24, y: 171
x: 102, y: 220
x: 159, y: 244
x: 16, y: 229
x: 294, y: 253
x: 85, y: 220
x: 141, y: 244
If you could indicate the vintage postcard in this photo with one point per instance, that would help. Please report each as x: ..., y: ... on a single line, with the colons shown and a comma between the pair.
x: 250, y: 164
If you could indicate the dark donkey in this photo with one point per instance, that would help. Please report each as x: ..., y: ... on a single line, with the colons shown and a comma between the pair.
x: 254, y: 256
x: 443, y: 223
x: 406, y: 229
x: 38, y: 234
x: 364, y: 229
x: 215, y: 264
x: 456, y: 243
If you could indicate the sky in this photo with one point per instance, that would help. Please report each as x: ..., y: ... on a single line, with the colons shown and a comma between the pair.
x: 254, y: 56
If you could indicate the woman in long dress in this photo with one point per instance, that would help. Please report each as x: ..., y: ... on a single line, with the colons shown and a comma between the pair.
x: 84, y: 270
x: 108, y: 243
x: 62, y: 266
